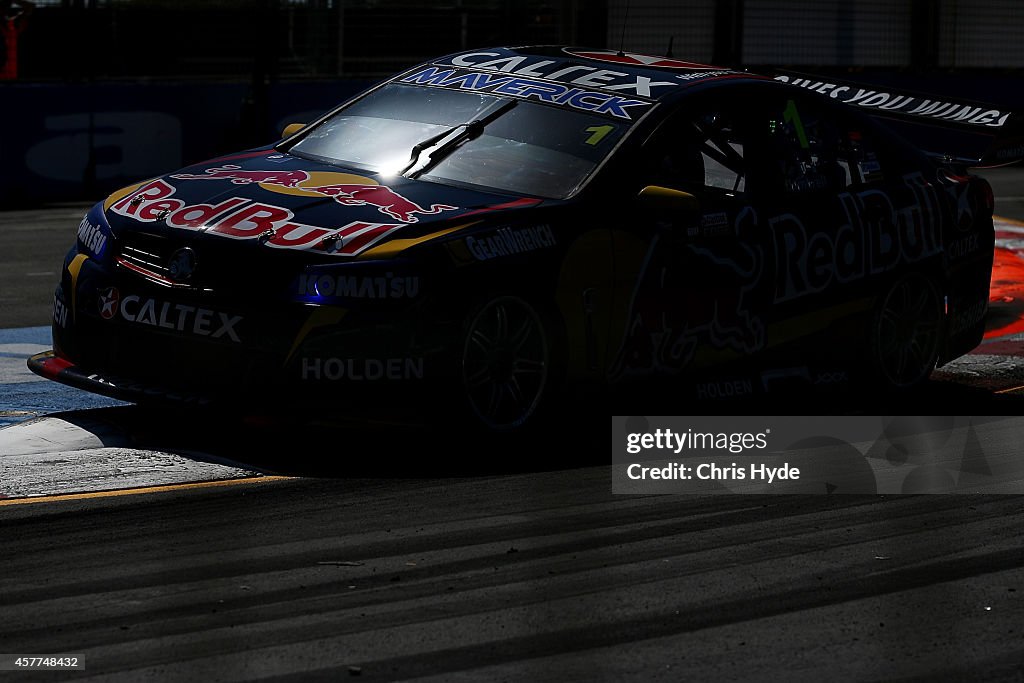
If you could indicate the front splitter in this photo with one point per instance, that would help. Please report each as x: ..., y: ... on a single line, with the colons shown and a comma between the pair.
x: 51, y: 366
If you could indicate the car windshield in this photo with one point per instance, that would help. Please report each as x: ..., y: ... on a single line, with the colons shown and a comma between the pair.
x: 529, y: 148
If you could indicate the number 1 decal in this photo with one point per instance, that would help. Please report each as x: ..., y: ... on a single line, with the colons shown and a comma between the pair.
x: 598, y: 133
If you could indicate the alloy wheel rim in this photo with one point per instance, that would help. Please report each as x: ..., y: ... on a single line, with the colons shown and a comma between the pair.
x: 505, y: 363
x: 909, y: 332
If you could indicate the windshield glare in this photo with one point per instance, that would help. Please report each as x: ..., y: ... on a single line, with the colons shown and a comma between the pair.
x: 531, y: 149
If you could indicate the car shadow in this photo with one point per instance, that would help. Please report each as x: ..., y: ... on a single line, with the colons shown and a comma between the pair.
x: 577, y: 435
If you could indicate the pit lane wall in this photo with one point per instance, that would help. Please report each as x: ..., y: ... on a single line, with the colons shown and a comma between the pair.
x: 62, y: 142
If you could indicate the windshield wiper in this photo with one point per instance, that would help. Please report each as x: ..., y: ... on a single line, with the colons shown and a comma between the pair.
x: 445, y: 142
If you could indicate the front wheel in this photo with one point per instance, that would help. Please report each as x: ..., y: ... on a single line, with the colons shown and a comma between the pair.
x: 506, y: 362
x: 906, y: 332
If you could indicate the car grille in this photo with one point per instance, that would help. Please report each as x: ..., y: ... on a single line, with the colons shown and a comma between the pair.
x: 149, y: 253
x: 222, y: 265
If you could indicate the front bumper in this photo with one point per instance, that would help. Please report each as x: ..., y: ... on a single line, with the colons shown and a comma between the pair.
x: 119, y: 335
x: 51, y: 366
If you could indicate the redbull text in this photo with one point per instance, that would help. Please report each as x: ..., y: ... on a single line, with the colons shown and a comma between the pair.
x: 875, y: 238
x: 244, y: 219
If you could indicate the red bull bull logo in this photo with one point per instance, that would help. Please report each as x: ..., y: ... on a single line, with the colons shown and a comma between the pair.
x: 709, y: 303
x: 239, y: 177
x: 346, y: 189
x: 385, y: 199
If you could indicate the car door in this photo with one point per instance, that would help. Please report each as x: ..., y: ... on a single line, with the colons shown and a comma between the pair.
x: 696, y: 292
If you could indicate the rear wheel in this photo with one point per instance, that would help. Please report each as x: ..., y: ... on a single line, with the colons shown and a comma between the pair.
x: 506, y: 362
x: 906, y: 332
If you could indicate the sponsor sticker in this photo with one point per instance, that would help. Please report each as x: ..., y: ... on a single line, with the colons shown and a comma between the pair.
x: 967, y: 315
x: 60, y: 311
x: 361, y: 369
x: 715, y: 224
x: 386, y: 286
x: 724, y: 389
x: 193, y: 320
x: 509, y: 241
x: 874, y: 238
x: 583, y: 99
x: 244, y: 219
x: 91, y: 237
x: 905, y: 104
x: 109, y: 302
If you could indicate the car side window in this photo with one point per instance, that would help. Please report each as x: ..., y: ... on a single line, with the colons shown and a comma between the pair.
x: 702, y: 151
x: 816, y: 149
x: 805, y: 144
x: 721, y: 149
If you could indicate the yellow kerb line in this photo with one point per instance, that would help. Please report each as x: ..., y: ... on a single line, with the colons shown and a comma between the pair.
x: 143, y: 489
x: 1011, y: 221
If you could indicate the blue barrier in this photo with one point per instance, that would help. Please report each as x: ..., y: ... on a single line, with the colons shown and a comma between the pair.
x: 80, y: 142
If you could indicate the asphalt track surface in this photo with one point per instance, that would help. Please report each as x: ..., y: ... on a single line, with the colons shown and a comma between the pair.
x: 319, y: 554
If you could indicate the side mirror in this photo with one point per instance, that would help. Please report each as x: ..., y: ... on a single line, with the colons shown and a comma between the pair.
x: 668, y: 204
x: 291, y: 129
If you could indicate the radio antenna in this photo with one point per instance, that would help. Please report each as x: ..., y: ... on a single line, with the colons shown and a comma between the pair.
x: 668, y: 52
x: 622, y: 36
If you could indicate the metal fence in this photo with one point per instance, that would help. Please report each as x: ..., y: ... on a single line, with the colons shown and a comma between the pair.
x: 111, y: 91
x: 231, y: 39
x: 928, y: 34
x: 82, y: 40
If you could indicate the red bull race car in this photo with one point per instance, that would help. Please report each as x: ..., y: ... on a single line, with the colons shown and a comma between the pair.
x: 496, y: 225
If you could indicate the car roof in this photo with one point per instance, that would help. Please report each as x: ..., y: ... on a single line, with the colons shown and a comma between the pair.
x: 653, y: 77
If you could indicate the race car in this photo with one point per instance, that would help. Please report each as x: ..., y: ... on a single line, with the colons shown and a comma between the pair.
x: 486, y: 229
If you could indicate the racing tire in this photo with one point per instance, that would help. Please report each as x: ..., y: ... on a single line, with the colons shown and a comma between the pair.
x: 508, y: 363
x: 906, y: 333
